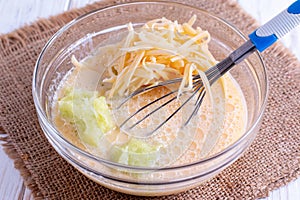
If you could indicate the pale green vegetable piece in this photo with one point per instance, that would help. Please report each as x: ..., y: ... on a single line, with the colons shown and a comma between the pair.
x: 135, y: 153
x: 103, y: 115
x: 89, y: 114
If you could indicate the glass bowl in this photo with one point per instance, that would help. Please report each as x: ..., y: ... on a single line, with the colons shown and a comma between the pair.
x: 81, y: 36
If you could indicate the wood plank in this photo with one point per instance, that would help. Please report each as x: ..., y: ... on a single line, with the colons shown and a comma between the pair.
x: 25, y: 12
x: 11, y: 183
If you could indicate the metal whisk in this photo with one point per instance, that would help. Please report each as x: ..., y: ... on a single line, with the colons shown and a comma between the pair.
x: 260, y: 39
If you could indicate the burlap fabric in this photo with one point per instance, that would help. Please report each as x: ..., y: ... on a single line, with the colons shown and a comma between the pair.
x: 272, y: 161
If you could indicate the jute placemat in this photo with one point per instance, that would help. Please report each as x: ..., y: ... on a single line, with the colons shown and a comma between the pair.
x: 272, y: 161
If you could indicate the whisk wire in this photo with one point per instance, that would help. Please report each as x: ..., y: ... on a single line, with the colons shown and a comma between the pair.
x: 175, y: 112
x: 197, y: 86
x: 147, y: 105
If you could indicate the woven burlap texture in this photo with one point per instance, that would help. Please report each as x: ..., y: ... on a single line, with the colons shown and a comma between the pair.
x: 272, y: 161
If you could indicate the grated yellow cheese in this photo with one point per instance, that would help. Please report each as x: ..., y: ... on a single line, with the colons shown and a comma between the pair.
x: 161, y: 50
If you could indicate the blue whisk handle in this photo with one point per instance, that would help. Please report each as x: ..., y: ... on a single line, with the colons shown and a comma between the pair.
x: 267, y: 34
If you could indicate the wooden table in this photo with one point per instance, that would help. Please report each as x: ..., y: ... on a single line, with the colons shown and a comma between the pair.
x: 15, y: 13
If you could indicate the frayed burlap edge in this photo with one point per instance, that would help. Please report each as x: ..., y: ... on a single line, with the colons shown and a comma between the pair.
x: 19, y: 38
x: 10, y: 149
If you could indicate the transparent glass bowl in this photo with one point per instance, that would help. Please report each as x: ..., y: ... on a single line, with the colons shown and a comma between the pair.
x: 82, y: 35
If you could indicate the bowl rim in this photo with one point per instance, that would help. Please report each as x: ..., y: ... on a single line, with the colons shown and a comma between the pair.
x: 43, y: 117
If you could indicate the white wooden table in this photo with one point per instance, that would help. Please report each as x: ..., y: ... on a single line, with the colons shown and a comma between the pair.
x: 15, y: 13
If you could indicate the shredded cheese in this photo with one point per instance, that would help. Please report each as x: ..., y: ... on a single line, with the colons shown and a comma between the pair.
x: 162, y: 49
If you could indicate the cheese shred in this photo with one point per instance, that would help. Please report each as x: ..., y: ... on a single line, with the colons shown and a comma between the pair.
x: 160, y: 50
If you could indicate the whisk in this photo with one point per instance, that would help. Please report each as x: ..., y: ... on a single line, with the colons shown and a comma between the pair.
x: 260, y: 39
